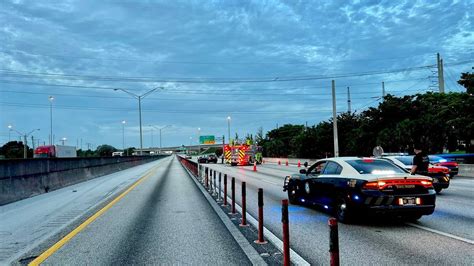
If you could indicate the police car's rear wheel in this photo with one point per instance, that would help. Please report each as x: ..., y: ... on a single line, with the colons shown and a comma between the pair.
x: 438, y: 189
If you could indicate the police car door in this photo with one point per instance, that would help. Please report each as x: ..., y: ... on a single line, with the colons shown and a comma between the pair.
x: 328, y: 182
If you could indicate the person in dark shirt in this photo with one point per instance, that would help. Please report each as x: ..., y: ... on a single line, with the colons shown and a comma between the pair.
x: 420, y: 162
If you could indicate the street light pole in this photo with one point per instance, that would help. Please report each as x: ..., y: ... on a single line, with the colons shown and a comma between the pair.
x: 51, y: 99
x: 199, y: 140
x: 334, y: 120
x: 160, y: 129
x: 25, y: 139
x: 123, y: 135
x: 228, y: 129
x: 151, y: 135
x: 139, y: 98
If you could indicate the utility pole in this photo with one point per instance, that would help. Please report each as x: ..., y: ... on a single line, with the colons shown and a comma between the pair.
x: 348, y: 100
x: 223, y: 150
x: 228, y: 128
x: 151, y: 146
x: 334, y: 120
x: 383, y: 90
x: 33, y: 143
x: 51, y: 140
x: 440, y: 73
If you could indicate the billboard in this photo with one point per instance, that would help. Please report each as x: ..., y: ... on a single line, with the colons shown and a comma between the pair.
x: 207, y: 140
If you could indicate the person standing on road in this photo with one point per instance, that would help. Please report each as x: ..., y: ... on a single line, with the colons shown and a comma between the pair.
x: 420, y: 162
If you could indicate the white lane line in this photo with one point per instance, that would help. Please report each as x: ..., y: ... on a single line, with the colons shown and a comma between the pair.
x: 442, y: 233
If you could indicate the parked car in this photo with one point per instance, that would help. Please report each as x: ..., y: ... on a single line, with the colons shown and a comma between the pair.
x: 212, y: 158
x: 202, y: 159
x: 440, y: 161
x: 440, y: 174
x: 353, y: 187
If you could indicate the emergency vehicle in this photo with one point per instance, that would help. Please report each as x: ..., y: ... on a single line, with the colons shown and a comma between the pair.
x: 242, y: 154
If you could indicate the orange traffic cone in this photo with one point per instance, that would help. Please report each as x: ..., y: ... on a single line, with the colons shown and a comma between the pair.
x: 255, y: 166
x: 299, y: 164
x: 286, y: 162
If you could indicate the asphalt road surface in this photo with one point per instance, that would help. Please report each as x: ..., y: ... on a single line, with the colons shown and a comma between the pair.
x: 165, y: 219
x: 445, y: 238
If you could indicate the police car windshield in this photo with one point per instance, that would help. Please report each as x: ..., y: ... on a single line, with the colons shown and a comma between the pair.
x: 371, y: 166
x: 406, y: 160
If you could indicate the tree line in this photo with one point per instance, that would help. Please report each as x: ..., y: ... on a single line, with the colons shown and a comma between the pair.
x: 438, y: 122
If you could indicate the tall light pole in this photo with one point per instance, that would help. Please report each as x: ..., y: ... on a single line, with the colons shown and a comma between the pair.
x: 25, y: 139
x: 63, y: 141
x: 228, y: 129
x: 199, y: 140
x: 139, y: 98
x: 151, y: 135
x: 160, y: 129
x: 9, y: 132
x: 334, y: 120
x: 51, y: 99
x: 123, y: 135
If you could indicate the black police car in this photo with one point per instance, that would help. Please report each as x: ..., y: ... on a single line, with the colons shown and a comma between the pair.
x: 353, y: 187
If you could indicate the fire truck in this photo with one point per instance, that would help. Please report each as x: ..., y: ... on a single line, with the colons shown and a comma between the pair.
x: 242, y: 154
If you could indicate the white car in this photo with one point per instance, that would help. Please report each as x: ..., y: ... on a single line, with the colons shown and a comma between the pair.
x: 440, y: 174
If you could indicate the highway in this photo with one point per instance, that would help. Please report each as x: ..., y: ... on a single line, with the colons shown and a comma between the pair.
x: 155, y: 213
x: 446, y: 237
x: 164, y: 219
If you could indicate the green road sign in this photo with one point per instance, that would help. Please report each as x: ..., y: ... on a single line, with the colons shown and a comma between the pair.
x: 207, y: 140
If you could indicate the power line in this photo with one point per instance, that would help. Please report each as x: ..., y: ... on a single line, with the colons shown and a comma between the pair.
x: 212, y: 89
x: 29, y: 74
x: 181, y: 99
x: 206, y: 63
x: 177, y: 111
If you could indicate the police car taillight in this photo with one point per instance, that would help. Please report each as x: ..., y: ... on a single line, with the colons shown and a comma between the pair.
x: 375, y: 185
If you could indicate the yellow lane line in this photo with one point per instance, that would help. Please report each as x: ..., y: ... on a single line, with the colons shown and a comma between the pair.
x: 50, y: 251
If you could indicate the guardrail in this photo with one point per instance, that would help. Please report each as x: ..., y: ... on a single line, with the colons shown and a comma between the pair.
x: 207, y: 178
x: 24, y: 178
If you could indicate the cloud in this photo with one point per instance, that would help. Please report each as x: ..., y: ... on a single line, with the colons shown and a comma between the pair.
x: 221, y: 40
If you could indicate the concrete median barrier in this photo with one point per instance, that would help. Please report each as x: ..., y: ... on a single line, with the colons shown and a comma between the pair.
x: 24, y: 178
x: 466, y: 170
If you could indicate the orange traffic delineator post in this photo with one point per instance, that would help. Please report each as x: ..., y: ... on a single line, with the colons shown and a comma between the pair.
x: 286, y: 162
x: 286, y: 232
x: 232, y: 187
x: 299, y: 164
x: 225, y: 190
x: 244, y: 205
x: 260, y: 239
x: 279, y: 162
x: 333, y: 242
x: 255, y: 166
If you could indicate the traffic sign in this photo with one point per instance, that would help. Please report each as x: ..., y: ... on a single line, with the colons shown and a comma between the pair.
x: 207, y: 140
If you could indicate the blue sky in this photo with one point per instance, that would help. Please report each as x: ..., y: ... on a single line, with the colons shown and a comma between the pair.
x: 261, y: 62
